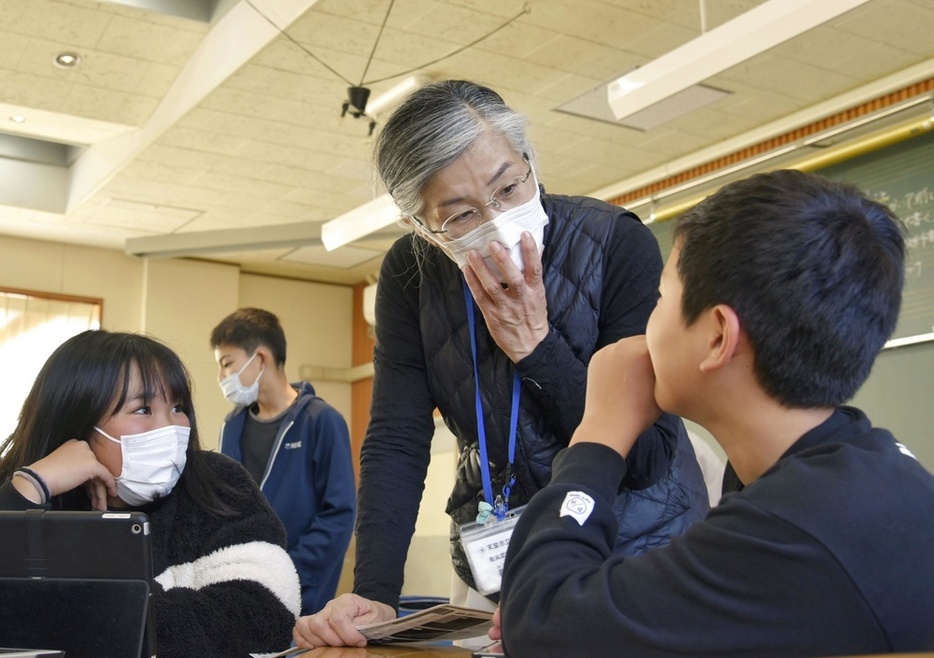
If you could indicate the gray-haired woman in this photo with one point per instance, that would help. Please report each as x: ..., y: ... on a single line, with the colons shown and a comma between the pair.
x: 490, y: 311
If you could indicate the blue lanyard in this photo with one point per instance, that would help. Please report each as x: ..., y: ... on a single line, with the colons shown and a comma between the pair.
x: 500, y: 505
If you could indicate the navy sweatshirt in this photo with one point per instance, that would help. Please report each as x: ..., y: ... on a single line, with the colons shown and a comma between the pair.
x: 827, y: 553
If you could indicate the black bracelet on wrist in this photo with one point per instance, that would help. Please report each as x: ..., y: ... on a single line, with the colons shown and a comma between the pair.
x: 37, y: 482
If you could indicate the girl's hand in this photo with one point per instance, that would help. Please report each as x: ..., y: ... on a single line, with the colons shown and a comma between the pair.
x: 73, y: 464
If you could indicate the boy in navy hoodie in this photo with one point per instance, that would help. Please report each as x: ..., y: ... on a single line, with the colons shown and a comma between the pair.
x: 294, y: 444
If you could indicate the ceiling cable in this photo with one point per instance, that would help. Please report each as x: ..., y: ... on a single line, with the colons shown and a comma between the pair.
x: 292, y: 39
x: 525, y: 10
x: 376, y: 43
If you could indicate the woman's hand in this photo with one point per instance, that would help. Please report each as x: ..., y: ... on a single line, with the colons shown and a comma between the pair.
x: 73, y: 464
x: 496, y: 630
x: 335, y: 625
x: 517, y: 315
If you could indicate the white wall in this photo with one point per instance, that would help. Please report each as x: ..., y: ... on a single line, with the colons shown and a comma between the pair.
x: 182, y: 301
x: 317, y: 320
x: 75, y: 270
x: 179, y: 301
x: 428, y: 569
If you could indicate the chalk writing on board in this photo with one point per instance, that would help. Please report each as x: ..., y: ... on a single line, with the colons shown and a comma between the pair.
x: 906, y: 204
x: 920, y: 240
x: 915, y: 207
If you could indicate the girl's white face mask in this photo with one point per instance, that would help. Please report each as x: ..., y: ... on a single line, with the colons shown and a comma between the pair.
x: 506, y: 228
x: 153, y: 462
x: 236, y: 392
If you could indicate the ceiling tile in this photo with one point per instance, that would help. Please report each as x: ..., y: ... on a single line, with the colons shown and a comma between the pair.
x: 29, y: 91
x: 268, y: 145
x: 666, y: 143
x: 156, y: 171
x: 519, y: 39
x: 906, y: 25
x: 799, y: 80
x: 344, y: 257
x: 455, y: 25
x: 226, y: 183
x: 711, y: 125
x: 658, y: 41
x: 199, y: 140
x: 374, y: 12
x: 765, y: 105
x: 63, y: 22
x: 827, y: 47
x: 601, y: 23
x: 143, y: 39
x: 582, y: 57
x: 107, y: 105
x: 155, y: 192
x: 14, y: 45
x: 333, y: 204
x: 140, y: 217
x: 876, y: 61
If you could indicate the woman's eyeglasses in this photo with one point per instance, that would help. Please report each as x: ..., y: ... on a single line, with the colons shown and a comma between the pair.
x: 462, y: 222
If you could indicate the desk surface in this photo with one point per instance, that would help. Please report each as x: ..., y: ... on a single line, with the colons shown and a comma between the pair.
x: 458, y: 652
x: 388, y: 652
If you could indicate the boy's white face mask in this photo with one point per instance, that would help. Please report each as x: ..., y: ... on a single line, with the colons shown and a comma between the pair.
x: 234, y: 390
x: 506, y: 229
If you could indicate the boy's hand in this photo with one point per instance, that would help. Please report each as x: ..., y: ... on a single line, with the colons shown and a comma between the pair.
x: 620, y: 401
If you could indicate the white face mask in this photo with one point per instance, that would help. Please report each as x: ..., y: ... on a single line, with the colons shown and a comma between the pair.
x: 152, y: 463
x: 236, y: 392
x: 506, y: 228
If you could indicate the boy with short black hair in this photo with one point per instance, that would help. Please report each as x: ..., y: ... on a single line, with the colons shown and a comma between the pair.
x: 294, y: 444
x: 778, y: 294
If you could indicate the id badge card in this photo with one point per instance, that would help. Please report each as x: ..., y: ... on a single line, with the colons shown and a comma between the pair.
x: 485, y: 545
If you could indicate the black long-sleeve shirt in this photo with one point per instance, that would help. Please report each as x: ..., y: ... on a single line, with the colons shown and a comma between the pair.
x: 827, y: 553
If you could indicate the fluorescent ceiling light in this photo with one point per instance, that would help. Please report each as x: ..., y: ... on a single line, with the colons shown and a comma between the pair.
x: 381, y: 211
x: 362, y: 220
x: 746, y: 36
x: 395, y: 94
x: 593, y: 105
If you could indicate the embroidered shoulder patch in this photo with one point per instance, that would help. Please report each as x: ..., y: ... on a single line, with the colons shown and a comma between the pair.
x: 577, y: 505
x: 902, y: 448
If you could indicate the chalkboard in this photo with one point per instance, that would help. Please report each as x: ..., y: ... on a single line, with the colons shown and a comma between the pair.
x: 902, y: 177
x: 897, y: 394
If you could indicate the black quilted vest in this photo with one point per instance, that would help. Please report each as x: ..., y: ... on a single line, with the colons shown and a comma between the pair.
x: 574, y: 260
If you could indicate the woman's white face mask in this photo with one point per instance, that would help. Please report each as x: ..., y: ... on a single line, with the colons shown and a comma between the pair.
x: 506, y: 229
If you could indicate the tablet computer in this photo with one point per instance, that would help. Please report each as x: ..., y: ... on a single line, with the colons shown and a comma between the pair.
x: 77, y: 582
